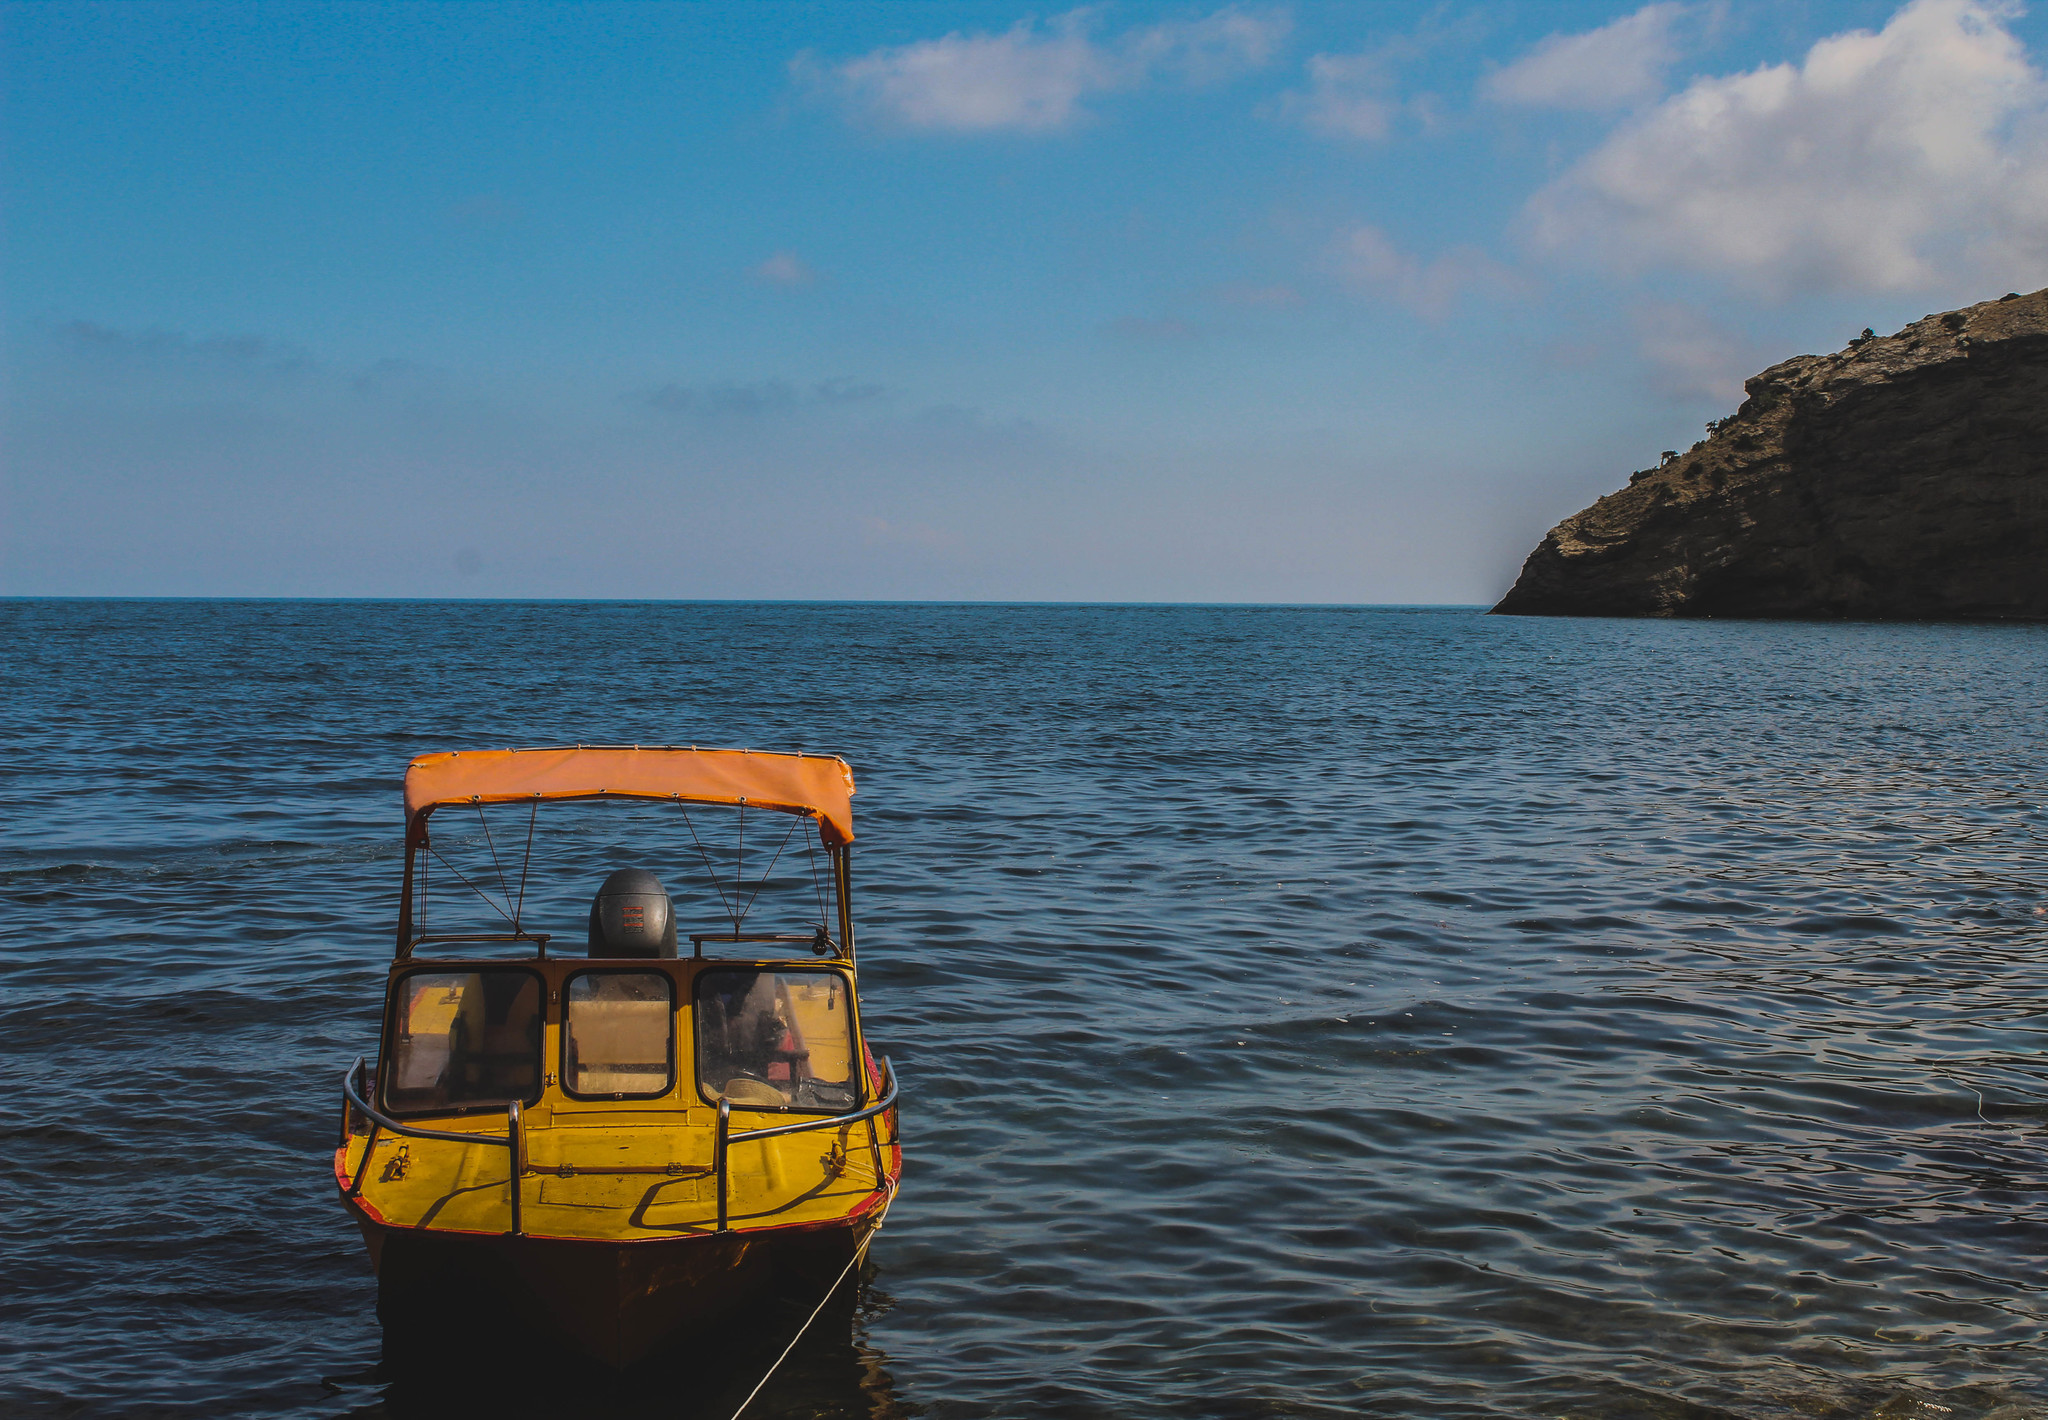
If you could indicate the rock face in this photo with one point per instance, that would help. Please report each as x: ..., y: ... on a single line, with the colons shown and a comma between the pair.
x: 1904, y: 478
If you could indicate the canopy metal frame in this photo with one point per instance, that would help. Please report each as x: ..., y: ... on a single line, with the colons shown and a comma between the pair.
x: 643, y: 768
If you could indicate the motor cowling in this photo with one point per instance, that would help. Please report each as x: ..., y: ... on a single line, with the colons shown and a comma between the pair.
x: 632, y: 916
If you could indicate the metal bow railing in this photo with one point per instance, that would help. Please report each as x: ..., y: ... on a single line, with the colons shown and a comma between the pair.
x: 725, y: 1138
x: 352, y: 1096
x: 354, y: 1100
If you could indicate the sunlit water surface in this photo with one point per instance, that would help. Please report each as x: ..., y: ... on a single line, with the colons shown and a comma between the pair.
x: 1300, y: 1011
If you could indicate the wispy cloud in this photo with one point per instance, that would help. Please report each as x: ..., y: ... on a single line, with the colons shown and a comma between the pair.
x: 1037, y: 77
x: 176, y: 349
x: 1616, y: 65
x: 756, y: 397
x: 1367, y: 260
x: 181, y: 368
x: 1913, y: 158
x: 1358, y: 96
x: 784, y: 268
x: 1348, y: 96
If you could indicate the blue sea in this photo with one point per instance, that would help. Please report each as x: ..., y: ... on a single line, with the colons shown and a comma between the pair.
x: 1300, y: 1011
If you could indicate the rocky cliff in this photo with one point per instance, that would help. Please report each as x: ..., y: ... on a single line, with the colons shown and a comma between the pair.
x: 1904, y: 477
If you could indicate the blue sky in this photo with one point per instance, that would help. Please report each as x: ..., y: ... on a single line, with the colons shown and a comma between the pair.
x: 1287, y: 302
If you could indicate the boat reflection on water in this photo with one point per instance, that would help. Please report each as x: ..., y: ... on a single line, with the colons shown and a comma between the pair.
x: 834, y: 1372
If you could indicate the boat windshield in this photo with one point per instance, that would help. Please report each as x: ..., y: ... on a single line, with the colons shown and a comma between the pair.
x: 462, y: 1038
x: 776, y: 1039
x: 621, y: 1034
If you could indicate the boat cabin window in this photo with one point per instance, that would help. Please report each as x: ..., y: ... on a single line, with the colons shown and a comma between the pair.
x: 776, y: 1040
x: 463, y: 1038
x: 620, y: 1034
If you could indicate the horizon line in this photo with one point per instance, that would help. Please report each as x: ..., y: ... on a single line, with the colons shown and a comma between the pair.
x: 739, y: 601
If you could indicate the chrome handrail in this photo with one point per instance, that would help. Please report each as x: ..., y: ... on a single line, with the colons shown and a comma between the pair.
x: 820, y: 940
x: 725, y: 1138
x: 540, y: 941
x: 513, y: 1139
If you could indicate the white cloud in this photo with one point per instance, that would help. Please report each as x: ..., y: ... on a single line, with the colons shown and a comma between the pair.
x: 1035, y: 78
x: 1616, y: 65
x: 785, y: 268
x: 1210, y: 50
x: 1348, y: 96
x: 1909, y: 159
x: 1366, y: 259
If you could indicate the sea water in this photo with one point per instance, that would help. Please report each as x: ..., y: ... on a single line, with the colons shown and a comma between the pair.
x: 1300, y: 1011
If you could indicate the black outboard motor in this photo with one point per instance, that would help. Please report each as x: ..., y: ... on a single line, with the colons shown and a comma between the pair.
x: 632, y: 917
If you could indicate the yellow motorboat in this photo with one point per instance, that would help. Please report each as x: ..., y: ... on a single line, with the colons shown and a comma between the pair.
x: 617, y: 1150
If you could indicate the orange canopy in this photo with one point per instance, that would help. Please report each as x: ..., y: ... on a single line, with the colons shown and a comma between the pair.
x: 811, y: 784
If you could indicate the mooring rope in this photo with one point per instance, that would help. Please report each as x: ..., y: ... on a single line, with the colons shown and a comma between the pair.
x: 853, y: 1262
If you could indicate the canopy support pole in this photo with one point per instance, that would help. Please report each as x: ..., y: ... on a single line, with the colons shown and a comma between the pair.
x: 414, y: 831
x: 842, y: 879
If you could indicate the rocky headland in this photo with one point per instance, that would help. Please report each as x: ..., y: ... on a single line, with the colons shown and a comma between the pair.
x: 1905, y: 477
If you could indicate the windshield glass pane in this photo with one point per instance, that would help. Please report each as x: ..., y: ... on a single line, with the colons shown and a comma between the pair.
x: 776, y: 1039
x: 464, y: 1038
x: 621, y: 1036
